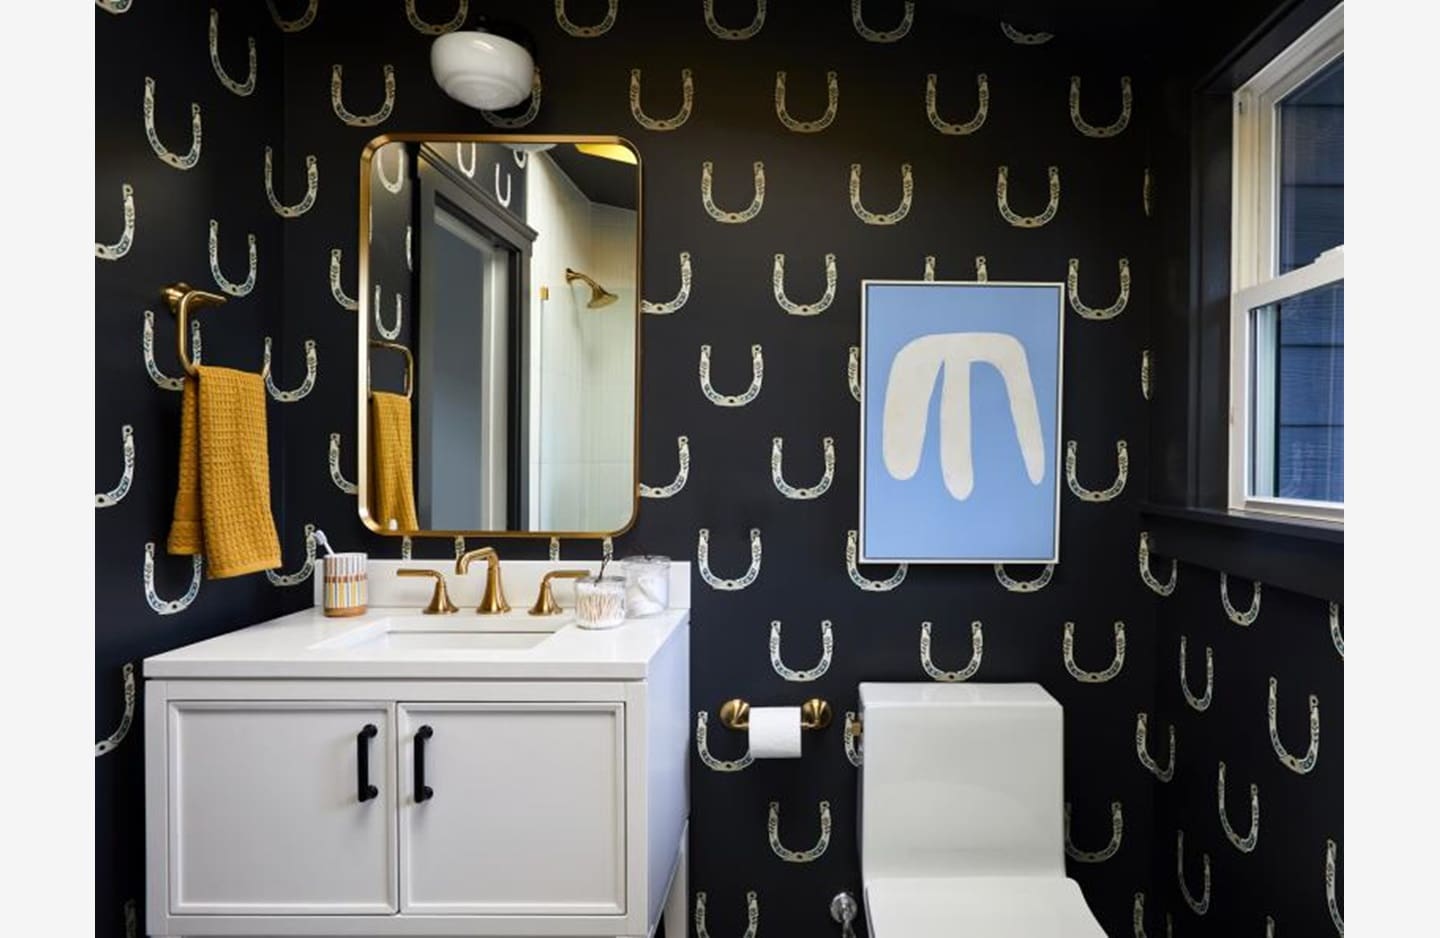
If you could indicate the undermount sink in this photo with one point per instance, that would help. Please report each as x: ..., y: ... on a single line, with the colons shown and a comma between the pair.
x: 433, y: 633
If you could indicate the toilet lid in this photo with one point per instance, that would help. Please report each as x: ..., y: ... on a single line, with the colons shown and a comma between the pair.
x: 984, y: 907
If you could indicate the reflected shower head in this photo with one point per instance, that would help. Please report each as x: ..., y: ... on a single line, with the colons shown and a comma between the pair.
x: 599, y: 296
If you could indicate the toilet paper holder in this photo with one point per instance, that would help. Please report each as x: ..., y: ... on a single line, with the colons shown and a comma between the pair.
x: 815, y: 714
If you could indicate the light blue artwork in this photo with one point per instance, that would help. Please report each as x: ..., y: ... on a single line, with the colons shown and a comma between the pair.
x: 960, y: 421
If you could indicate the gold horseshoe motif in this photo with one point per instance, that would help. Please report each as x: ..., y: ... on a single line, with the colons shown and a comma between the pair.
x: 1163, y: 589
x: 228, y: 286
x: 907, y: 193
x: 745, y: 32
x: 393, y: 332
x: 687, y: 102
x: 112, y: 742
x: 242, y: 88
x: 118, y: 249
x: 436, y: 29
x: 495, y: 120
x: 1306, y: 763
x: 1072, y: 285
x: 801, y: 493
x: 341, y: 483
x: 702, y: 560
x: 946, y: 127
x: 1142, y: 728
x: 1247, y: 617
x: 1147, y: 374
x: 832, y: 107
x: 1026, y: 39
x: 295, y: 25
x: 1002, y: 199
x: 469, y: 171
x: 312, y: 188
x: 305, y: 387
x: 982, y: 273
x: 191, y: 157
x: 504, y: 200
x: 853, y: 750
x: 752, y: 905
x: 1198, y: 906
x: 337, y: 102
x: 1201, y: 703
x: 1122, y: 472
x: 777, y: 282
x: 707, y: 170
x: 977, y: 652
x: 127, y: 448
x: 682, y: 296
x: 399, y: 183
x: 852, y: 552
x: 1247, y: 843
x: 852, y: 372
x: 586, y: 32
x: 757, y: 378
x: 114, y: 6
x: 1335, y: 634
x: 827, y: 649
x: 681, y: 476
x: 306, y: 568
x: 702, y: 747
x: 1107, y: 130
x: 1024, y: 586
x: 1067, y: 652
x: 890, y: 35
x: 147, y: 346
x: 336, y: 290
x: 459, y: 546
x: 929, y: 274
x: 772, y: 827
x: 1335, y: 916
x: 168, y: 607
x: 1117, y: 831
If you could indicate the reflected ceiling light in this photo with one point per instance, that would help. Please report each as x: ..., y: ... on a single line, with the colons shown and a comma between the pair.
x: 610, y: 151
x: 482, y: 69
x: 599, y: 296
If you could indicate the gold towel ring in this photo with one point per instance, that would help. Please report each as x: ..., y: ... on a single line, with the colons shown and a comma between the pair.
x: 184, y: 298
x: 409, y: 365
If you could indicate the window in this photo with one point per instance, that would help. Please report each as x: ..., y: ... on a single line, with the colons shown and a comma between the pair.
x: 1287, y: 309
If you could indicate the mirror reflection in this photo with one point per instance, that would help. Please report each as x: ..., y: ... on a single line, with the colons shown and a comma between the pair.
x: 500, y: 315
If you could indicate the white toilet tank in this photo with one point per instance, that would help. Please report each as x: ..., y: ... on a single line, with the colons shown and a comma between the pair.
x: 960, y: 780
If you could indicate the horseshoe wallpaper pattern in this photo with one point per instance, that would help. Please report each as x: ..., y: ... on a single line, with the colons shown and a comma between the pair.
x: 790, y: 150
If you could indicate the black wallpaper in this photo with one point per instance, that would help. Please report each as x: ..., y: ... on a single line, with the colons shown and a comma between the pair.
x: 880, y: 123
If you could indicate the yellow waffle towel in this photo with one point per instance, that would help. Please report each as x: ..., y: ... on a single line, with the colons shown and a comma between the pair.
x: 392, y: 485
x: 222, y: 504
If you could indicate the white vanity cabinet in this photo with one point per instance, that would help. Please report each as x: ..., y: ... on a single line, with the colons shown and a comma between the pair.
x: 524, y: 798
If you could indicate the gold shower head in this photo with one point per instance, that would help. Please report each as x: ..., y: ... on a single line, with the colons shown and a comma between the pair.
x: 599, y: 296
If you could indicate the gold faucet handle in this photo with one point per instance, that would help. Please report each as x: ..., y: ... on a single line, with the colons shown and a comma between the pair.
x: 440, y: 603
x: 545, y: 604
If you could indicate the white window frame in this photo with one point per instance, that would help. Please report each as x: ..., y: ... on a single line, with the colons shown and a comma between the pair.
x: 1255, y: 246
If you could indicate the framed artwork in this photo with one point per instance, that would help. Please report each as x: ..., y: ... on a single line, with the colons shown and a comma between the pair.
x: 960, y: 421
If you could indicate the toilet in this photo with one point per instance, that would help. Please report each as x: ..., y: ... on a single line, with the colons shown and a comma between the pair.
x: 961, y: 824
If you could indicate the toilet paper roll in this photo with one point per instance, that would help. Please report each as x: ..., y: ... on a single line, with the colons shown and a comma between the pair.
x: 775, y: 732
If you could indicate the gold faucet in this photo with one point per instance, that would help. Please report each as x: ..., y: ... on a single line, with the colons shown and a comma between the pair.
x: 494, y: 600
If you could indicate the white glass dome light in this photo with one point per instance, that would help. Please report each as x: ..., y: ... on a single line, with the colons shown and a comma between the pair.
x: 482, y: 69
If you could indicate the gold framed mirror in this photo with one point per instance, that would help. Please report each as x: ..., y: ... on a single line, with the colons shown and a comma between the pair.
x: 498, y: 334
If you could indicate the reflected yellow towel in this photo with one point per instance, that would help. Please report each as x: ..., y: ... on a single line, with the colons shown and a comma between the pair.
x: 392, y: 485
x: 222, y: 504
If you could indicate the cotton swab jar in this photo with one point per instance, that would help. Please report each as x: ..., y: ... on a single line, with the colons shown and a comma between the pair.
x: 599, y: 602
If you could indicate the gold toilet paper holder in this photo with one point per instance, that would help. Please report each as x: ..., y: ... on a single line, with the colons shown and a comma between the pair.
x: 815, y: 714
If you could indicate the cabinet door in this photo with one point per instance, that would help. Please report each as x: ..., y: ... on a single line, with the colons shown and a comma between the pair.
x: 266, y: 812
x: 525, y: 813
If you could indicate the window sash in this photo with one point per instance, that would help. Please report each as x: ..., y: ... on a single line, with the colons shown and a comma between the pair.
x: 1255, y: 246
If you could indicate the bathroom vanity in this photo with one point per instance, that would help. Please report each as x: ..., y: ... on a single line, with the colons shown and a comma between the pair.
x: 406, y: 774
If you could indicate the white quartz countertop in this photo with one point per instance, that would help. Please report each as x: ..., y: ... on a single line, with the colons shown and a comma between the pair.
x: 399, y: 643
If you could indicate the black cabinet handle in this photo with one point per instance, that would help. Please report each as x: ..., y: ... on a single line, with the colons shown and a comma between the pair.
x: 364, y: 790
x: 423, y: 792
